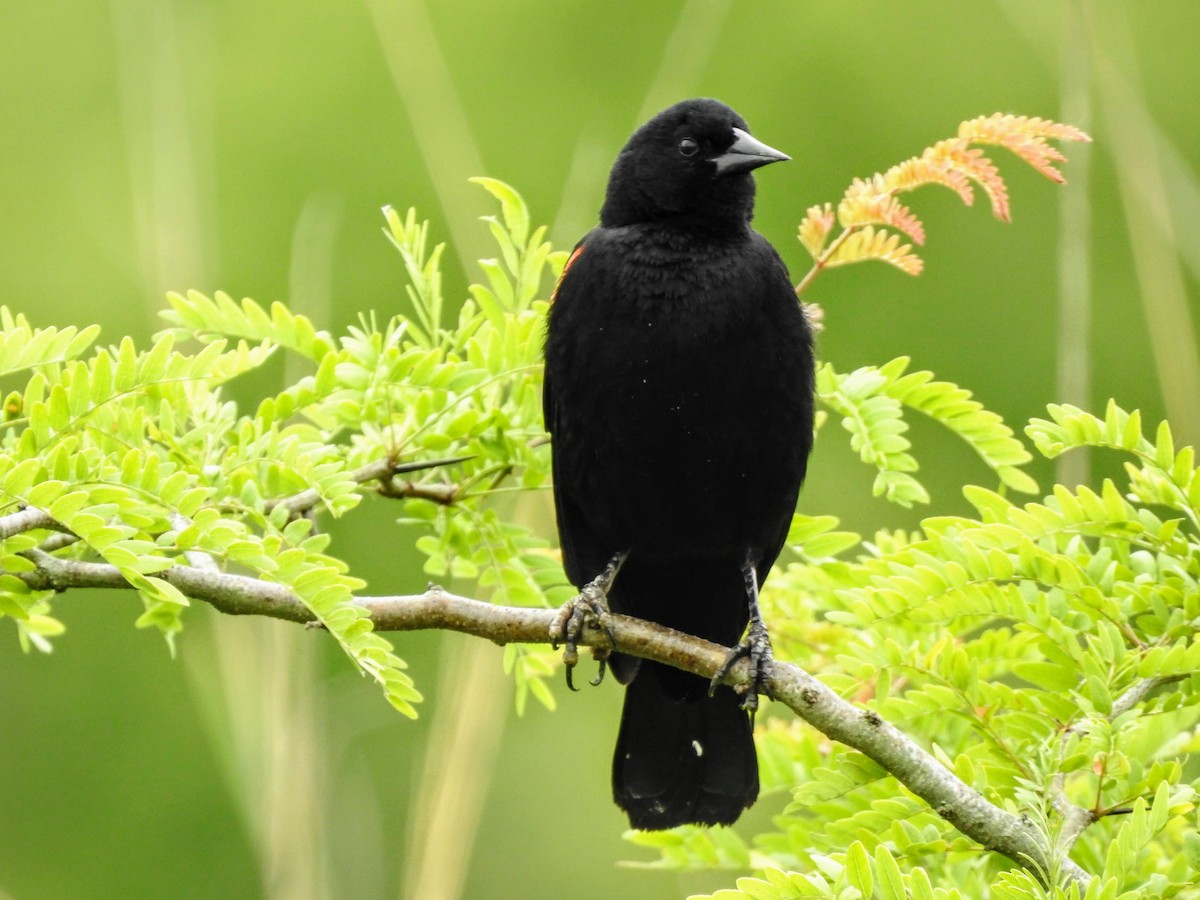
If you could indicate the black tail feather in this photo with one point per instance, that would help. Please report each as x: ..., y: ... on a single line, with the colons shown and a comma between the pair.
x: 681, y: 761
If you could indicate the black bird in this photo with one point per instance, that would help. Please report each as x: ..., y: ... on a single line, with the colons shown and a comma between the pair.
x: 679, y: 398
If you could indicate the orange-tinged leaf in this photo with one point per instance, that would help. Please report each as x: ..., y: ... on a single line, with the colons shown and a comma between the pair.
x: 921, y: 170
x: 1024, y: 136
x: 863, y: 205
x: 876, y: 243
x: 970, y: 161
x: 871, y: 202
x: 815, y: 228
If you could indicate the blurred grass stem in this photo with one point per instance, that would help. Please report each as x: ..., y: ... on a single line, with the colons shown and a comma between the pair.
x: 468, y: 720
x: 1152, y: 235
x: 170, y: 168
x: 439, y: 120
x: 1074, y: 378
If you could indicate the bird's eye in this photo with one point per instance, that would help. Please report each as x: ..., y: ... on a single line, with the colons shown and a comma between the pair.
x: 688, y: 147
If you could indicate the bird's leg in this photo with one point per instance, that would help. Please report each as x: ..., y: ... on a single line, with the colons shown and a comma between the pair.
x: 756, y: 645
x: 589, y: 607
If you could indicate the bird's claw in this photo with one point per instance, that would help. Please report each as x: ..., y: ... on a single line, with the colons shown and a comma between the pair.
x: 756, y: 647
x: 589, y: 609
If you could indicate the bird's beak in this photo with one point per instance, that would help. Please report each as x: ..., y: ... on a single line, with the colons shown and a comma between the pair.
x: 745, y: 154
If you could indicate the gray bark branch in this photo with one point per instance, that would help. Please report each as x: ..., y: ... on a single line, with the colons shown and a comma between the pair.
x: 862, y: 729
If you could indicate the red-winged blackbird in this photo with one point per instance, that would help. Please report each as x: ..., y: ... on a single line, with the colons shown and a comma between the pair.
x: 679, y: 396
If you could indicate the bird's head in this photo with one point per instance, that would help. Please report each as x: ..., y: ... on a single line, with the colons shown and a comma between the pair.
x: 693, y: 160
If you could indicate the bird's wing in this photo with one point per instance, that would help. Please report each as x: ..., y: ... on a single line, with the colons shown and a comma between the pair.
x: 584, y: 554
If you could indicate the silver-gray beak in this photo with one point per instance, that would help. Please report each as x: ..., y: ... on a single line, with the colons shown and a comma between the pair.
x: 746, y: 153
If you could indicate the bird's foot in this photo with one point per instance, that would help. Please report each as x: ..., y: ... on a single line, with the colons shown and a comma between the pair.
x: 756, y: 647
x: 589, y: 609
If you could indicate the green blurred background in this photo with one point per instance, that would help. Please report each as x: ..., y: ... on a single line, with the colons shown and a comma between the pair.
x: 248, y: 147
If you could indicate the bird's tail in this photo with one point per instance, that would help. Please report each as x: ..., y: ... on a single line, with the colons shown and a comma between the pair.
x: 680, y: 761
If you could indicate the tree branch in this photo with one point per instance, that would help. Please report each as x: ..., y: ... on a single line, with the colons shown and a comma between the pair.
x: 1139, y: 692
x: 28, y: 519
x: 864, y: 730
x: 383, y: 471
x: 1076, y: 819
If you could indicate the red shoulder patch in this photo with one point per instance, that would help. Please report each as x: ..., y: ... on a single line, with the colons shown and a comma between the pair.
x: 567, y: 268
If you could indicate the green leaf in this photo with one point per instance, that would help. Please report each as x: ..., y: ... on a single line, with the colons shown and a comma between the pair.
x: 1047, y: 675
x: 516, y: 216
x: 891, y: 883
x: 858, y: 869
x: 920, y: 885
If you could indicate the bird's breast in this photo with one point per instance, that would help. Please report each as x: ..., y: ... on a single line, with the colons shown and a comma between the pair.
x: 695, y: 381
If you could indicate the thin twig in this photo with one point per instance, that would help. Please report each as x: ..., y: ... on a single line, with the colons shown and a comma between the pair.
x: 55, y: 542
x: 1139, y: 692
x: 438, y: 492
x: 380, y: 470
x: 1076, y: 819
x: 823, y: 259
x: 27, y: 519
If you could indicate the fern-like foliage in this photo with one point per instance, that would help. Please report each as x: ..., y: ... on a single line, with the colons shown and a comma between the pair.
x: 23, y: 347
x: 441, y: 414
x: 1047, y: 652
x: 139, y: 458
x: 871, y: 402
x: 872, y: 218
x: 219, y: 317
